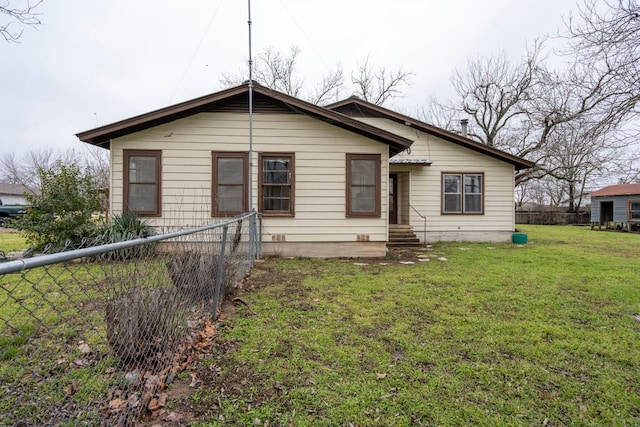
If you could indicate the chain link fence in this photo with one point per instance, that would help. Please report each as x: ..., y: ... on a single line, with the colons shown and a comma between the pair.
x: 93, y: 336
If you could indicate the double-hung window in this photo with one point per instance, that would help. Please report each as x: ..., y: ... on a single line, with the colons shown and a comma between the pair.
x: 277, y: 184
x: 229, y: 183
x: 634, y: 209
x: 363, y: 185
x: 463, y: 193
x: 142, y: 182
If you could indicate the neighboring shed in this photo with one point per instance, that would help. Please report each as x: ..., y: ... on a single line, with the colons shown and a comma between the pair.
x: 616, y: 206
x: 14, y: 194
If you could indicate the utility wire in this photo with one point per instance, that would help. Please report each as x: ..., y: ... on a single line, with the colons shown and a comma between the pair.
x: 184, y: 73
x: 313, y: 46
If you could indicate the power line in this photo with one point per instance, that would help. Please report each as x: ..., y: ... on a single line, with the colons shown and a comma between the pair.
x: 184, y: 73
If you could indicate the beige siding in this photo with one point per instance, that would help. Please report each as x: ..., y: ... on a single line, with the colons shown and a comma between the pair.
x: 498, y: 220
x: 320, y: 158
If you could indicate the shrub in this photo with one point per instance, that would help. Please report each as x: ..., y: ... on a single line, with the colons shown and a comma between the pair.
x: 194, y: 274
x: 63, y: 210
x: 142, y: 328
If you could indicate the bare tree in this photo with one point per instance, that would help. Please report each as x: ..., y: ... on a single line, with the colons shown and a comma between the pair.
x: 605, y: 37
x: 24, y: 170
x: 24, y: 15
x: 328, y: 89
x: 278, y: 71
x: 381, y: 85
x: 576, y: 154
x: 526, y: 108
x: 495, y: 93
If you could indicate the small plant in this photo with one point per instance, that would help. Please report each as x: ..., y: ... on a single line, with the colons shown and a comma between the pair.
x: 128, y: 226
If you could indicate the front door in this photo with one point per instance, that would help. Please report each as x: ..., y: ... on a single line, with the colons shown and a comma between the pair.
x: 393, y: 198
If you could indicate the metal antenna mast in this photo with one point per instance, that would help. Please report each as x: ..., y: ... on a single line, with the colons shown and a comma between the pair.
x: 253, y: 232
x: 250, y: 115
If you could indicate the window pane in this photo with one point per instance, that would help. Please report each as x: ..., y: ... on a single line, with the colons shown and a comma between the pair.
x: 276, y: 204
x: 230, y: 198
x: 272, y: 191
x: 452, y: 183
x: 473, y: 203
x: 142, y: 169
x: 452, y: 203
x: 274, y: 177
x: 363, y: 172
x: 363, y: 199
x: 142, y: 197
x: 472, y: 184
x: 230, y: 171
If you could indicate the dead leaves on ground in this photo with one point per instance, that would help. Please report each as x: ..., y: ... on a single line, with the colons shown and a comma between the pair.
x: 145, y: 392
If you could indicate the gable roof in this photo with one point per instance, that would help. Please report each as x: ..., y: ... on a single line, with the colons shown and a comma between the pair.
x: 235, y: 99
x: 356, y: 107
x: 14, y: 189
x: 617, y: 190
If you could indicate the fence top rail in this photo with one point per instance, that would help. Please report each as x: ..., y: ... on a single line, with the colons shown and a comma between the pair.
x: 42, y: 260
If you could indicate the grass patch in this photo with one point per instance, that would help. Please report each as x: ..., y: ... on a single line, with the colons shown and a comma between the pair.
x: 497, y: 335
x: 12, y: 242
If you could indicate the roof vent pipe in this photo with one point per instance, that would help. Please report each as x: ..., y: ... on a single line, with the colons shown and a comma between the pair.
x: 463, y: 127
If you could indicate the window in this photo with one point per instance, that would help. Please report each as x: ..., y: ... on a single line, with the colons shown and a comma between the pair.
x: 142, y: 172
x: 276, y: 186
x: 229, y: 184
x: 634, y: 209
x: 462, y: 193
x: 363, y: 185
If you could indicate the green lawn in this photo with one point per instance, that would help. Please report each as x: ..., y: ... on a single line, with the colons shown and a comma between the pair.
x: 11, y: 242
x: 499, y: 334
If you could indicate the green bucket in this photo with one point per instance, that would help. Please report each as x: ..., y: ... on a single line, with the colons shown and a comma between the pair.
x: 520, y: 238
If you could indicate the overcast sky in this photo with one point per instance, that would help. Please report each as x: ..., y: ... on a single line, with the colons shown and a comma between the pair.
x: 95, y: 62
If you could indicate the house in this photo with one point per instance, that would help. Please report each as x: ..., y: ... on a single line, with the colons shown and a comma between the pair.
x: 328, y: 181
x: 14, y: 194
x: 616, y: 206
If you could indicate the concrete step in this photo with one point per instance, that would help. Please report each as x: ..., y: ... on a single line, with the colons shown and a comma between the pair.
x: 403, y: 245
x: 402, y: 236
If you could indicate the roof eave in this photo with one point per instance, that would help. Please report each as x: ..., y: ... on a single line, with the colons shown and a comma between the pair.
x: 101, y: 136
x: 518, y: 162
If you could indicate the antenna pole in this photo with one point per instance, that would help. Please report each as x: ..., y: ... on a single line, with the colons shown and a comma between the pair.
x: 250, y: 114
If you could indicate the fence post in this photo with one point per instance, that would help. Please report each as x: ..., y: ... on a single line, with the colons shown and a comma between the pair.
x: 259, y: 238
x: 252, y: 234
x: 216, y: 297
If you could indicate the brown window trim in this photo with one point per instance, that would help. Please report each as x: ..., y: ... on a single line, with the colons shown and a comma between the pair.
x: 378, y: 185
x: 127, y: 154
x: 462, y: 212
x: 214, y: 181
x: 292, y: 192
x: 629, y: 202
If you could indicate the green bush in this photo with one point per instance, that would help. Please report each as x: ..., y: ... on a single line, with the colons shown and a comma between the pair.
x: 63, y: 211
